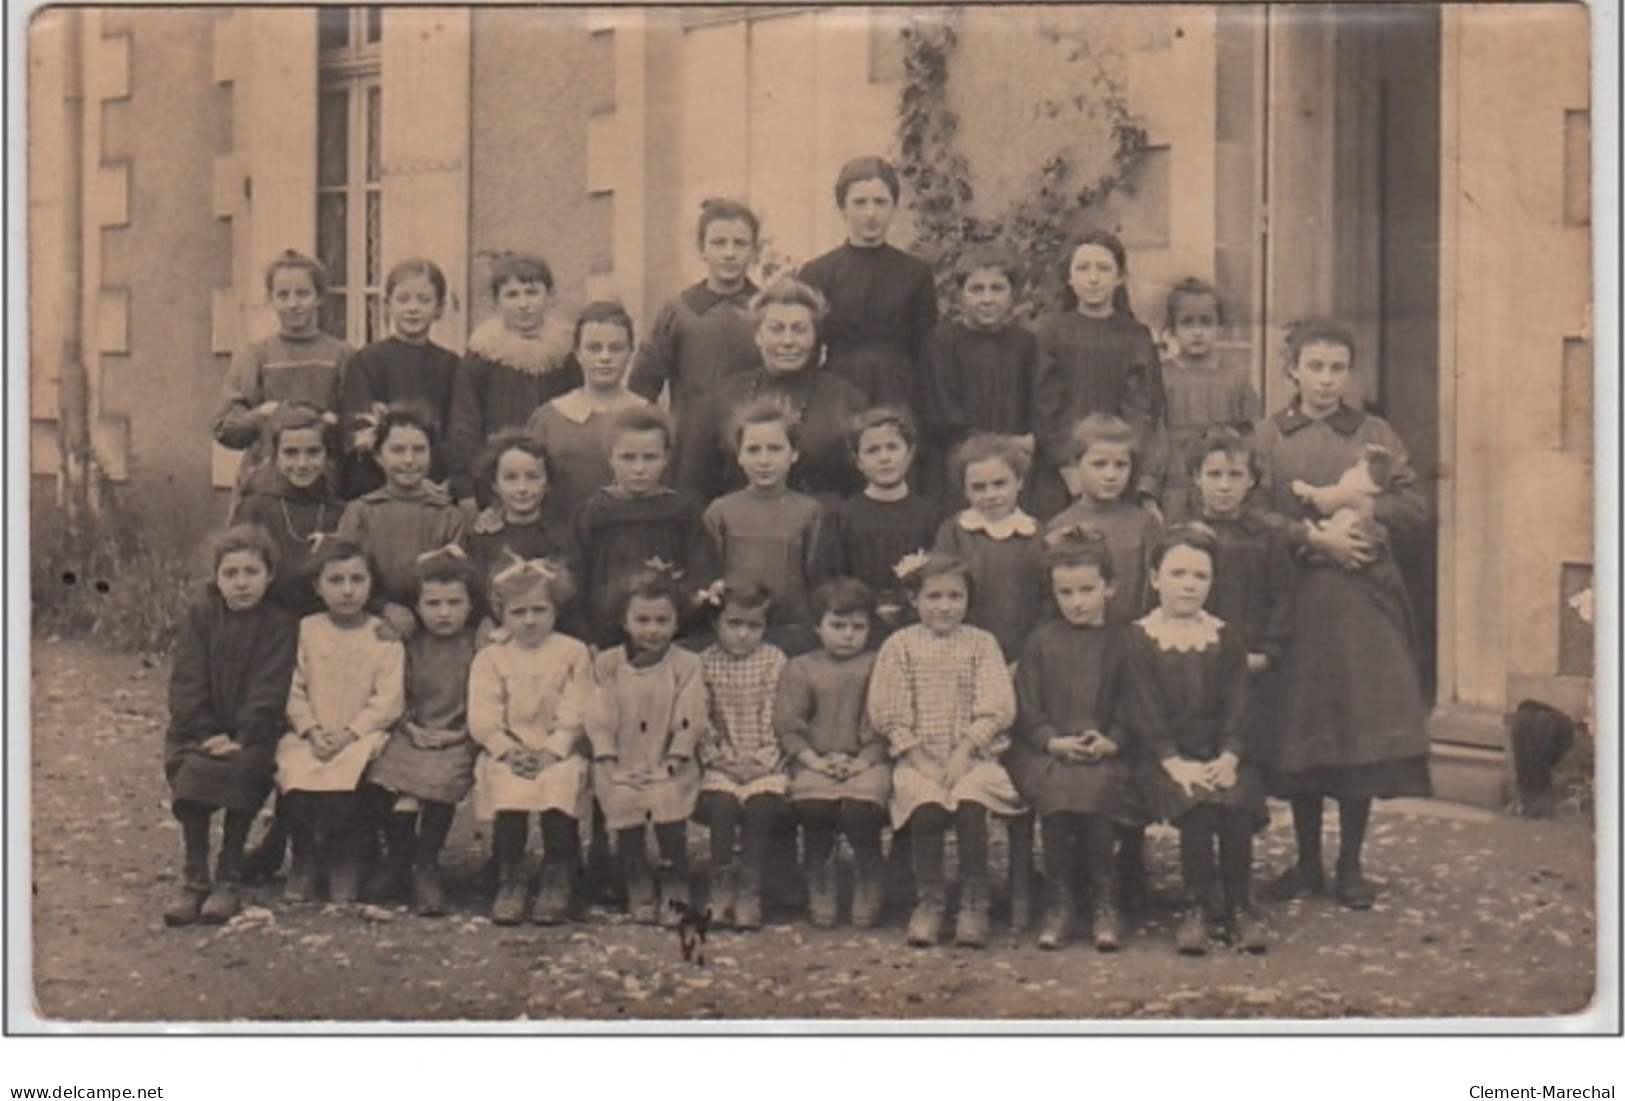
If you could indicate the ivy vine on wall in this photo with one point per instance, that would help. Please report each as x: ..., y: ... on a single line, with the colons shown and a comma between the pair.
x: 1039, y: 221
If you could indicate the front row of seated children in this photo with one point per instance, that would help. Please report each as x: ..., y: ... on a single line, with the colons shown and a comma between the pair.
x: 1103, y: 727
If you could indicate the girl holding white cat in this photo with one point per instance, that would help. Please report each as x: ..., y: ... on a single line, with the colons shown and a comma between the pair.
x: 1349, y: 715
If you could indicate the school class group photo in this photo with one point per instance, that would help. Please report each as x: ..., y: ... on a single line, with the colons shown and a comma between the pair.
x: 815, y: 560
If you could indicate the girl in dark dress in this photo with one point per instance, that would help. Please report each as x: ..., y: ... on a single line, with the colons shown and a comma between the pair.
x: 295, y: 505
x: 227, y: 694
x: 404, y: 367
x: 1350, y: 720
x: 1069, y: 756
x: 1095, y: 357
x: 634, y: 520
x: 882, y: 301
x: 518, y: 473
x: 1186, y: 704
x: 869, y: 533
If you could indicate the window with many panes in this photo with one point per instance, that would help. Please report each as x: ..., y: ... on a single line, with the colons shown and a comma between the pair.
x: 349, y: 194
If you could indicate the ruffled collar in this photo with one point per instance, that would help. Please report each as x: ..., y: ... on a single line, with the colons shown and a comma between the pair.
x: 1344, y: 420
x: 577, y: 408
x: 543, y: 355
x: 1182, y: 636
x: 701, y: 298
x: 1017, y: 523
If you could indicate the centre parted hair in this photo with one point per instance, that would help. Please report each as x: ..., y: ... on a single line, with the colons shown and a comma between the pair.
x: 881, y: 416
x: 241, y: 537
x: 1226, y: 440
x: 841, y: 596
x: 787, y: 290
x: 417, y: 268
x: 979, y: 447
x: 769, y: 409
x: 1196, y: 536
x: 858, y: 169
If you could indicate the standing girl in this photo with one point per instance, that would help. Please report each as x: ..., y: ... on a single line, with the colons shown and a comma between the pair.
x: 743, y: 789
x: 295, y: 507
x: 1350, y: 721
x: 427, y: 767
x: 868, y: 533
x: 768, y: 531
x: 979, y: 368
x: 942, y: 700
x: 407, y: 517
x: 997, y: 541
x: 1186, y: 702
x: 882, y: 301
x: 227, y: 694
x: 575, y: 427
x: 404, y: 367
x: 517, y: 362
x: 518, y: 472
x: 527, y: 698
x: 705, y: 334
x: 839, y: 779
x: 635, y: 520
x: 1069, y: 756
x: 646, y: 721
x: 1095, y: 357
x: 347, y: 691
x: 1204, y: 386
x: 299, y: 363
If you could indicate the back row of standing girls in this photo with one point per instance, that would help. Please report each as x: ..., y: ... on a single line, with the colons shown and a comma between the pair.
x: 1090, y: 399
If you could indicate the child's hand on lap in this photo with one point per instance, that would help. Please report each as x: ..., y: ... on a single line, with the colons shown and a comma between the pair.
x: 1189, y: 775
x: 1258, y: 663
x: 1221, y: 772
x: 959, y: 763
x: 1071, y: 748
x: 221, y: 745
x: 928, y: 767
x: 1098, y: 746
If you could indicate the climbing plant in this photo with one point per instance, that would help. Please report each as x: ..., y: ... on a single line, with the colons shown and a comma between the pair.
x: 1036, y: 222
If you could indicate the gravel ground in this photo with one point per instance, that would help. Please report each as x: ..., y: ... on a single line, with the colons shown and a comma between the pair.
x: 1483, y: 915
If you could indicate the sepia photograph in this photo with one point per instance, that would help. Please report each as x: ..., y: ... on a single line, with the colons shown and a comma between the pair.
x: 712, y: 516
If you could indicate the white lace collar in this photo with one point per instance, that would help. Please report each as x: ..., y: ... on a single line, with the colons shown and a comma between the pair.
x: 546, y: 353
x: 1017, y: 523
x: 1183, y: 636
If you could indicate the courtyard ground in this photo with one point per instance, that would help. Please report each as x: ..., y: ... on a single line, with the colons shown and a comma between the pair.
x: 1482, y: 915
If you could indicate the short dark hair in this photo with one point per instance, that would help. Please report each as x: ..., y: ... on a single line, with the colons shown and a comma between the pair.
x: 333, y: 548
x: 1078, y: 545
x: 502, y: 442
x: 1316, y: 330
x: 242, y: 537
x: 641, y: 418
x: 416, y: 268
x: 408, y: 414
x: 882, y: 416
x: 521, y: 267
x: 841, y: 596
x: 1191, y: 288
x: 1228, y: 440
x: 859, y: 169
x: 727, y: 210
x: 604, y: 312
x: 1193, y: 535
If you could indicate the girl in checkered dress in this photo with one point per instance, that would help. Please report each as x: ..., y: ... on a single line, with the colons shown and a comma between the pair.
x: 742, y: 793
x: 942, y: 699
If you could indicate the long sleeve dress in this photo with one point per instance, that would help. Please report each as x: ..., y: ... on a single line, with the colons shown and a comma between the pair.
x: 826, y: 404
x: 504, y: 378
x: 1349, y: 715
x: 882, y: 303
x: 393, y: 371
x: 975, y: 380
x: 617, y: 534
x: 436, y: 701
x: 537, y: 699
x: 279, y: 368
x: 866, y: 538
x: 1186, y: 696
x: 1129, y: 529
x: 1069, y: 681
x: 231, y: 675
x: 1009, y: 586
x: 933, y: 692
x: 292, y: 517
x: 641, y: 714
x: 345, y: 678
x: 577, y: 435
x: 395, y: 527
x: 698, y: 339
x: 742, y: 690
x: 821, y: 705
x: 1202, y: 394
x: 1094, y: 365
x: 773, y: 537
